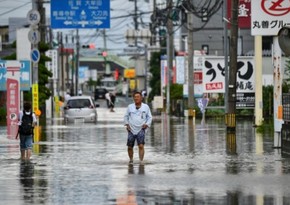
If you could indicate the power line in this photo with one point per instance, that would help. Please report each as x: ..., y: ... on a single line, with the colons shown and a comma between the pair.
x: 12, y: 10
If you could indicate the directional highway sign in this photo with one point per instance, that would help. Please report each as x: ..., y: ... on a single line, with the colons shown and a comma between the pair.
x: 73, y: 14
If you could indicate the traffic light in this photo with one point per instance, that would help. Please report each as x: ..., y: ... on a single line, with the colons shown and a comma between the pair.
x: 89, y: 46
x: 104, y: 54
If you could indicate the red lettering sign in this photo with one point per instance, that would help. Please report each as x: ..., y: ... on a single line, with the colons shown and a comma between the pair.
x: 276, y: 8
x: 214, y: 86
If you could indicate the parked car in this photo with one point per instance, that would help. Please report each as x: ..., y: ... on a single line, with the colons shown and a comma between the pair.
x: 100, y: 93
x: 80, y: 109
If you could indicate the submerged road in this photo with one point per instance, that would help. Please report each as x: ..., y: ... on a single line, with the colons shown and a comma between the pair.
x: 185, y: 163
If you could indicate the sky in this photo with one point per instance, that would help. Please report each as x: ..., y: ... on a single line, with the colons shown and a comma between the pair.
x: 14, y: 8
x: 115, y: 35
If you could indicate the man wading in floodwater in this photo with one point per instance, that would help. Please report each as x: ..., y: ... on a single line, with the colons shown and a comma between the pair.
x: 137, y: 119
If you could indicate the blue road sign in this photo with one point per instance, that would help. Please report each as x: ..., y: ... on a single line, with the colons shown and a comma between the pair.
x: 25, y: 75
x: 74, y: 14
x: 35, y: 55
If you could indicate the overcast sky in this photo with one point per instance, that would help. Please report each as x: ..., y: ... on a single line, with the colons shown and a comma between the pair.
x: 15, y: 8
x: 116, y: 34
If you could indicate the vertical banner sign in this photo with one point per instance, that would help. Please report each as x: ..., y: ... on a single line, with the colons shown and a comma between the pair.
x: 35, y: 97
x: 57, y: 106
x: 82, y: 74
x: 163, y: 75
x: 180, y: 66
x: 244, y: 13
x: 13, y: 97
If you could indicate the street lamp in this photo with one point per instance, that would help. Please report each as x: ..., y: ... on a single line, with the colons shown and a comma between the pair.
x: 144, y: 35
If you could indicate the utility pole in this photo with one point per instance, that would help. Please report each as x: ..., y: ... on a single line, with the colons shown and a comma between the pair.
x: 107, y: 65
x: 191, y: 111
x: 67, y: 64
x: 35, y: 91
x: 232, y: 90
x: 226, y: 55
x: 154, y: 29
x: 72, y: 66
x: 169, y: 54
x: 61, y: 53
x: 42, y: 24
x: 135, y: 19
x: 77, y: 61
x: 136, y: 39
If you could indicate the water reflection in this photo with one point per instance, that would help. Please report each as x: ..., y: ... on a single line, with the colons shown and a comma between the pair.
x: 191, y: 197
x: 130, y: 198
x: 231, y: 143
x: 34, y: 183
x: 141, y: 169
x: 130, y: 169
x: 185, y: 163
x: 191, y: 135
x: 27, y: 180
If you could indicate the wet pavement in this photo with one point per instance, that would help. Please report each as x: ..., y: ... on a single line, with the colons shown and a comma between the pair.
x: 185, y: 163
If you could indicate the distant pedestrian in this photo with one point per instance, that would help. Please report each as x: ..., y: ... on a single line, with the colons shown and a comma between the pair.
x: 108, y: 99
x: 80, y: 92
x: 112, y: 101
x: 137, y: 119
x: 27, y: 121
x: 67, y: 96
x: 144, y: 95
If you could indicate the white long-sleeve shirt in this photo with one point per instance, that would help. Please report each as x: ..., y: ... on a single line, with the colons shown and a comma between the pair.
x: 136, y: 118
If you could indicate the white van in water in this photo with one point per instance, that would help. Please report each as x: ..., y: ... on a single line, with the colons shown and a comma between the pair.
x: 110, y: 84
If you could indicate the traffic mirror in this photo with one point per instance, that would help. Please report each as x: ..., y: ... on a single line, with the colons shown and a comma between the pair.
x: 284, y: 40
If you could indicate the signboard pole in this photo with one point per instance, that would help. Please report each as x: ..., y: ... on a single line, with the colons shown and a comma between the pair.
x: 259, y: 83
x: 277, y: 94
x: 77, y: 62
x: 191, y: 111
x: 33, y: 18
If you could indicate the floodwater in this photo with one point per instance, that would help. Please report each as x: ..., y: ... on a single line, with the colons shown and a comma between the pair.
x: 185, y: 163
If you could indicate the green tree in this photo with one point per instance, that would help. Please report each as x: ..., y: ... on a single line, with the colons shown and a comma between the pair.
x: 268, y: 101
x: 176, y: 91
x: 155, y: 81
x: 92, y: 83
x: 286, y: 80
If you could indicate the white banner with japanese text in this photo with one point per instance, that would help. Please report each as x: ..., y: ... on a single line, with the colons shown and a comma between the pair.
x: 214, y: 75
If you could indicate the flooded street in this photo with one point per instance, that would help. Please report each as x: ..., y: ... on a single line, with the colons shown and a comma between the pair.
x: 184, y: 164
